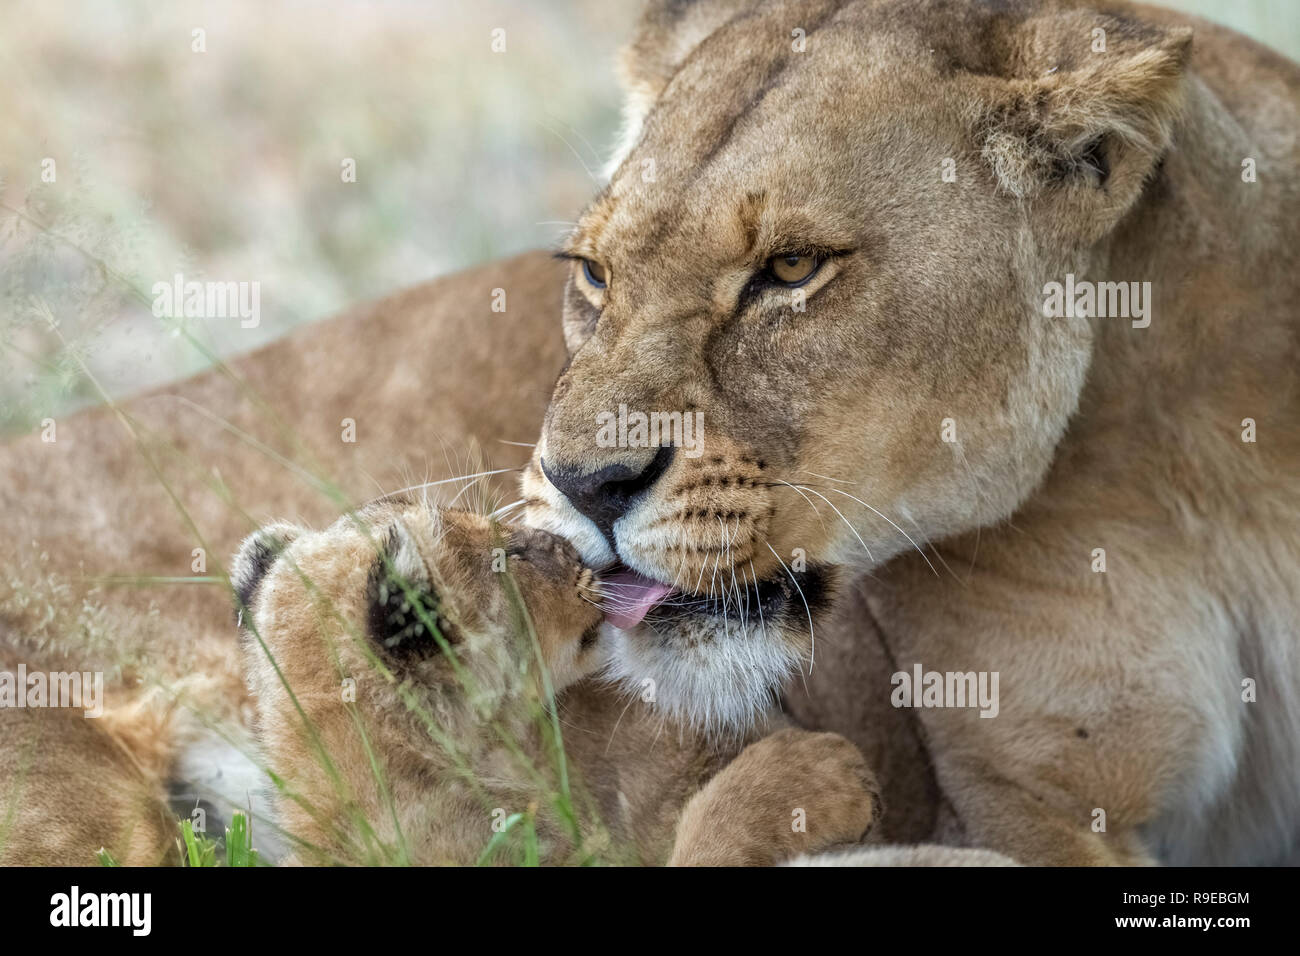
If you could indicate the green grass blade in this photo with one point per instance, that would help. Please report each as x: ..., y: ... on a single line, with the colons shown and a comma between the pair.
x: 239, y: 842
x: 499, y: 838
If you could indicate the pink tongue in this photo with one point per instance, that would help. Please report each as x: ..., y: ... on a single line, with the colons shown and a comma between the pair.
x: 630, y: 596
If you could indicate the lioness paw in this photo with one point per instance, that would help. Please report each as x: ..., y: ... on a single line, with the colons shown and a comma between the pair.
x: 793, y: 792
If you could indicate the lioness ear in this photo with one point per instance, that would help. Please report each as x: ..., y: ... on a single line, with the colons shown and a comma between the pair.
x: 665, y: 36
x: 401, y: 599
x: 254, y: 559
x: 1086, y: 111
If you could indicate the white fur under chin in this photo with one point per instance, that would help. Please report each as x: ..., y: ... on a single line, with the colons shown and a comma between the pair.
x: 721, y: 689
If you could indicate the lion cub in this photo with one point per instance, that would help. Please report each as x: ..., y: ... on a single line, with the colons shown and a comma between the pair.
x: 396, y: 660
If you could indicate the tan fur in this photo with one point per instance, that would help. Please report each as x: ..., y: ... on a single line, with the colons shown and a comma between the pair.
x: 71, y: 785
x: 87, y: 515
x: 90, y: 508
x: 746, y: 815
x: 1143, y: 459
x: 458, y: 736
x: 1121, y: 691
x: 259, y: 441
x: 923, y: 855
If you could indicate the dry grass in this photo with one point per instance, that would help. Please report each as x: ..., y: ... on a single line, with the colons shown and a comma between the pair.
x: 225, y: 165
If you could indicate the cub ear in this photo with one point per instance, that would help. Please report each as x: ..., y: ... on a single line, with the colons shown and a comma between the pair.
x: 255, y: 558
x: 1086, y: 111
x: 401, y: 599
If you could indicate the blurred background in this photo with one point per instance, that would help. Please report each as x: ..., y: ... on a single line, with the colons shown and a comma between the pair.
x: 133, y: 149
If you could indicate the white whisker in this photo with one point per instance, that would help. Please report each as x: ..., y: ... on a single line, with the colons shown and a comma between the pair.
x: 844, y: 519
x: 443, y: 481
x: 838, y: 481
x: 781, y: 481
x: 895, y: 526
x: 501, y: 512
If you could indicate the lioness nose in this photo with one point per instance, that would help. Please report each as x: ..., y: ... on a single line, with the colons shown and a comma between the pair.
x: 603, y: 495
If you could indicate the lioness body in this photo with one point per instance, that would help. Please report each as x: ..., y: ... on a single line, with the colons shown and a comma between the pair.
x: 1127, y: 690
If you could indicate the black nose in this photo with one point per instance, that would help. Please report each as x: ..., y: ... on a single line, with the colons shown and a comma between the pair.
x: 604, y: 495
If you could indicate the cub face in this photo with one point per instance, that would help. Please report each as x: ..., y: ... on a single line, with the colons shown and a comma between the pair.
x: 395, y: 659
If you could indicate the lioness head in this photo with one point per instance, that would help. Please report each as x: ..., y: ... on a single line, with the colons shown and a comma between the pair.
x: 394, y: 659
x: 805, y: 317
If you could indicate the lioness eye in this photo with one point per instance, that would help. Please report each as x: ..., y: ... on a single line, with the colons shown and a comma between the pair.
x: 595, y: 273
x: 793, y: 270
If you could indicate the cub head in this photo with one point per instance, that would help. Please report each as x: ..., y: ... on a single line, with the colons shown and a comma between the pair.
x: 396, y: 660
x: 805, y: 318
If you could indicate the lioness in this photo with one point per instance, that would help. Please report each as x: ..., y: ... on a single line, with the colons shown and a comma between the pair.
x: 401, y: 661
x: 838, y: 241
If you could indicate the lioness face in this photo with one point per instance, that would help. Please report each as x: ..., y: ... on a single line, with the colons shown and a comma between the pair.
x: 809, y: 275
x: 405, y: 635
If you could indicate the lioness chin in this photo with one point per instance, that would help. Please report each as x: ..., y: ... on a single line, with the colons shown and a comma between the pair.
x: 837, y: 256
